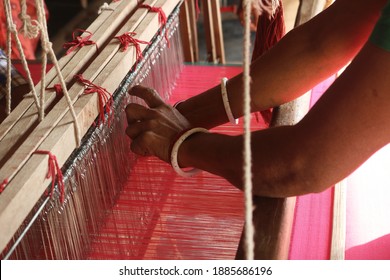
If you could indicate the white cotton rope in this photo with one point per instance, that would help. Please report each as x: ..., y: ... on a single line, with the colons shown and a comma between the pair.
x: 48, y: 50
x: 247, y: 153
x: 11, y: 29
x: 105, y: 7
x: 28, y: 29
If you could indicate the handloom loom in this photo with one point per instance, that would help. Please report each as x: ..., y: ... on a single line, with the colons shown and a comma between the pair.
x: 118, y: 206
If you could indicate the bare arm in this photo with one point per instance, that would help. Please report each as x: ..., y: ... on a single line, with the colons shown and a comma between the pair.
x: 303, y: 58
x: 347, y: 125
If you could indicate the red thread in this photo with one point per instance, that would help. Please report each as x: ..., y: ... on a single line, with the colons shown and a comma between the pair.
x: 127, y: 38
x: 162, y: 18
x: 79, y: 41
x: 58, y: 90
x: 197, y: 9
x: 3, y: 185
x: 105, y: 98
x: 54, y: 172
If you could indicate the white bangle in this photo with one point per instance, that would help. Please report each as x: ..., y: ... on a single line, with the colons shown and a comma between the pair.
x: 226, y: 103
x: 175, y: 150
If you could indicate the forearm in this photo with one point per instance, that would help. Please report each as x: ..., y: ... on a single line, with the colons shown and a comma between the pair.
x: 345, y: 127
x: 303, y: 58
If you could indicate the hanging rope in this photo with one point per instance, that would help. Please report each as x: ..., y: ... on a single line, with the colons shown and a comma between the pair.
x: 48, y: 49
x: 11, y: 29
x: 247, y: 153
x: 30, y: 28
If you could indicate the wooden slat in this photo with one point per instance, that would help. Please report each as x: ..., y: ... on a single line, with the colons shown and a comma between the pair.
x: 218, y: 34
x: 186, y: 33
x: 339, y: 223
x: 193, y: 18
x: 209, y: 31
x: 14, y: 128
x: 29, y: 183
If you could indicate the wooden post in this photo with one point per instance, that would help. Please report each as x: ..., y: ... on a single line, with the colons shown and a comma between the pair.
x: 273, y: 217
x: 213, y: 31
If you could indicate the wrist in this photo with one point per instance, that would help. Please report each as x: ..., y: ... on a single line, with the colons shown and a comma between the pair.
x: 181, y: 140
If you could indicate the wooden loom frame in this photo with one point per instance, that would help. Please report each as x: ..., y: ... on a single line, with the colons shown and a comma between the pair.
x: 56, y: 133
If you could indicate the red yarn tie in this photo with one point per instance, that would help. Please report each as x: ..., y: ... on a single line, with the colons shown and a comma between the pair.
x: 162, y: 18
x: 79, y: 41
x: 58, y: 90
x: 128, y: 38
x: 3, y: 185
x: 197, y: 8
x: 105, y: 98
x: 54, y: 172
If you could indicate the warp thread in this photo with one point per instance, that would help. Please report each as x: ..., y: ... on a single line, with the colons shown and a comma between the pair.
x: 78, y: 41
x: 105, y: 98
x: 54, y: 172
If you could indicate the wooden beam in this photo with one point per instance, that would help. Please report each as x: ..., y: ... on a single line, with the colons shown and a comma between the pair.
x: 218, y: 33
x: 339, y: 221
x: 57, y: 134
x: 187, y: 36
x: 25, y: 116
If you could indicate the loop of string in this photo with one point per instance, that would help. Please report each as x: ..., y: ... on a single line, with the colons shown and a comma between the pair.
x: 3, y: 185
x: 127, y: 39
x: 30, y: 28
x: 57, y: 89
x: 105, y: 7
x: 11, y: 30
x: 46, y: 45
x: 79, y: 41
x: 105, y: 98
x: 54, y: 172
x: 162, y: 18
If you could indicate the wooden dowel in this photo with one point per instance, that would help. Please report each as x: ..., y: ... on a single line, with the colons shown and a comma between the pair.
x: 337, y: 249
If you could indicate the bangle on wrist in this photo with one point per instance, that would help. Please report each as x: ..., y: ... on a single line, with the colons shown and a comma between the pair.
x: 226, y: 103
x: 177, y: 104
x: 175, y: 149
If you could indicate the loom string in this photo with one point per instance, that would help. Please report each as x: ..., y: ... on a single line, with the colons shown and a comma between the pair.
x: 11, y: 29
x: 79, y: 41
x: 247, y: 154
x: 104, y: 97
x: 162, y: 18
x: 30, y: 28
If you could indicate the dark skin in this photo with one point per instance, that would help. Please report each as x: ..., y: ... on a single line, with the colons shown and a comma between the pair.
x: 332, y: 140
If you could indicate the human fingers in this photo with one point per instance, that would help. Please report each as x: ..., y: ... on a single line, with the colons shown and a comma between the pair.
x: 136, y: 112
x: 149, y: 95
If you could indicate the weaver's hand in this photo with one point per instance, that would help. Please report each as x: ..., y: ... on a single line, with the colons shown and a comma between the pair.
x: 153, y: 129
